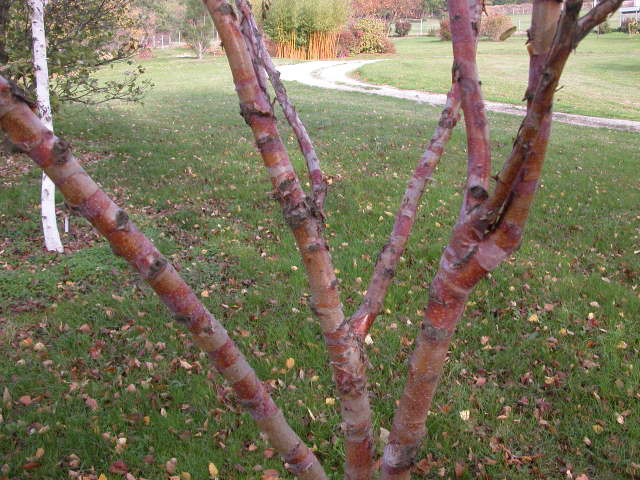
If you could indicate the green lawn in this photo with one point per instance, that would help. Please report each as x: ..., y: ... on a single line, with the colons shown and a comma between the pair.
x: 544, y: 397
x: 601, y: 79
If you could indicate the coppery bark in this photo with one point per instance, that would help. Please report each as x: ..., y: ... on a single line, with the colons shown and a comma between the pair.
x: 474, y: 250
x: 487, y: 232
x: 345, y: 352
x: 254, y: 37
x: 465, y: 25
x: 54, y: 156
x: 388, y: 258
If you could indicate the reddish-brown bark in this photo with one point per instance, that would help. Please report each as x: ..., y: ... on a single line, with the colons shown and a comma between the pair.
x: 305, y: 221
x: 83, y: 195
x: 487, y: 232
x: 464, y: 15
x: 388, y: 258
x: 254, y: 38
x: 476, y: 247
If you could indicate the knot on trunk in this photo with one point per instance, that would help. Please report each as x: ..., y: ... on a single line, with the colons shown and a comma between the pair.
x: 249, y: 110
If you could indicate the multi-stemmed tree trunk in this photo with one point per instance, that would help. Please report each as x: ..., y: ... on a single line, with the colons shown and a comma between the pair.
x: 41, y: 72
x: 488, y: 230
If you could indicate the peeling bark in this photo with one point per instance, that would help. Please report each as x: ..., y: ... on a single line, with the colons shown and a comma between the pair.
x: 41, y: 72
x: 465, y: 25
x: 84, y: 196
x: 254, y: 37
x: 345, y: 352
x: 477, y: 246
x: 388, y: 258
x: 489, y: 229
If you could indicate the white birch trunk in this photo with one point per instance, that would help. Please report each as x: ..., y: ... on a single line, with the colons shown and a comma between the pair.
x: 48, y: 194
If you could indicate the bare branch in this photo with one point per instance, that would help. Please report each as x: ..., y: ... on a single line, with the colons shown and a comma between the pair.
x: 539, y: 107
x: 345, y: 352
x: 473, y: 251
x: 254, y: 36
x: 388, y: 258
x: 464, y: 33
x: 54, y: 156
x: 595, y: 17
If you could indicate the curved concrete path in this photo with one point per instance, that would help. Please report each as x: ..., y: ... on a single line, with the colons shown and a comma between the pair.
x: 334, y: 74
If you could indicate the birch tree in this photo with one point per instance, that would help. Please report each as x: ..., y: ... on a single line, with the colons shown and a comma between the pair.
x: 41, y: 72
x: 489, y: 228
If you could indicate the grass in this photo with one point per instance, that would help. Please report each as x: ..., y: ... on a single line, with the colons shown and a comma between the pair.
x: 544, y: 397
x: 600, y: 79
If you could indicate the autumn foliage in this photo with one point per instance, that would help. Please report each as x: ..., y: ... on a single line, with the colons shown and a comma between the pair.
x: 387, y: 9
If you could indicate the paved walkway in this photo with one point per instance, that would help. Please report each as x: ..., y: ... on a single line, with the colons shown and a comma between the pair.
x: 334, y: 74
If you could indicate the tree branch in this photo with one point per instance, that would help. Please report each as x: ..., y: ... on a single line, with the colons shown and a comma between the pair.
x: 54, y: 156
x: 465, y: 25
x: 345, y: 352
x: 388, y: 258
x: 595, y: 17
x: 473, y: 251
x: 254, y: 36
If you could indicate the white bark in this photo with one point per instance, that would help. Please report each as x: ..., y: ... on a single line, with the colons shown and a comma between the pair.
x: 48, y: 194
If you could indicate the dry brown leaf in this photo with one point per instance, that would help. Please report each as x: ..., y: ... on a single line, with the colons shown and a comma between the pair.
x: 91, y: 403
x: 170, y: 466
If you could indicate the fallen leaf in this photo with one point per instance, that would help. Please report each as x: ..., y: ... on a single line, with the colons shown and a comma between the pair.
x: 290, y: 363
x: 91, y: 403
x: 330, y: 401
x: 118, y: 467
x: 459, y: 469
x: 465, y: 414
x: 533, y: 318
x: 270, y: 474
x: 102, y: 477
x: 269, y: 452
x: 25, y: 400
x: 170, y: 466
x: 213, y: 470
x: 6, y: 398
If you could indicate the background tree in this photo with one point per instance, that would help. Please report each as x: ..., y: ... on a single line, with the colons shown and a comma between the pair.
x: 83, y: 36
x: 281, y: 18
x: 196, y: 25
x: 41, y: 73
x: 389, y: 10
x: 433, y: 7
